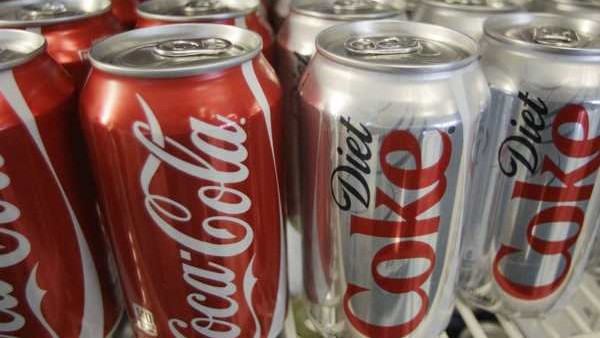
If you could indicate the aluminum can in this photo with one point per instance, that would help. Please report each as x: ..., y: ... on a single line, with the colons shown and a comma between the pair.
x: 464, y: 16
x: 188, y: 175
x: 580, y: 8
x: 241, y: 13
x: 295, y: 46
x: 594, y: 263
x: 69, y: 26
x: 386, y: 174
x: 533, y: 214
x: 125, y: 12
x: 54, y: 274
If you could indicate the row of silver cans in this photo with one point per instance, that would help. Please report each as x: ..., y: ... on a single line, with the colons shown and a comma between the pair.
x: 405, y: 152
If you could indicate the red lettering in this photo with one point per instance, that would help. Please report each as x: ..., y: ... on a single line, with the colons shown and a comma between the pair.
x: 410, y: 179
x: 553, y: 216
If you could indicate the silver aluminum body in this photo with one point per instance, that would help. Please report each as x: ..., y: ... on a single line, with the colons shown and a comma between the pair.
x: 594, y: 263
x: 405, y: 98
x: 295, y: 46
x: 194, y: 11
x: 464, y: 16
x: 581, y: 8
x: 529, y: 230
x: 35, y: 13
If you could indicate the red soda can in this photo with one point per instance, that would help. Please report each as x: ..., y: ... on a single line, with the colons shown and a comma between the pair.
x: 241, y: 13
x: 69, y: 26
x: 54, y: 276
x: 188, y: 174
x: 125, y: 12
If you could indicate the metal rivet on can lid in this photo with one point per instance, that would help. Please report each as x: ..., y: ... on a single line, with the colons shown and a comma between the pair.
x: 202, y: 6
x: 383, y: 45
x: 556, y: 36
x: 548, y: 33
x: 347, y: 10
x: 29, y: 13
x: 388, y: 45
x: 43, y: 10
x: 182, y: 48
x: 195, y: 10
x: 175, y: 50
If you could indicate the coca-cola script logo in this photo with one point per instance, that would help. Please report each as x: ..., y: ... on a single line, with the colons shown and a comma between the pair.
x: 521, y: 150
x: 352, y: 193
x: 222, y: 143
x: 9, y: 213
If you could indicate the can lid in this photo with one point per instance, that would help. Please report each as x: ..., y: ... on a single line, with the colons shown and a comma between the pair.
x: 175, y: 50
x: 399, y: 46
x: 480, y: 6
x: 595, y: 4
x: 18, y: 47
x: 547, y: 33
x: 195, y: 10
x: 347, y: 10
x: 27, y: 13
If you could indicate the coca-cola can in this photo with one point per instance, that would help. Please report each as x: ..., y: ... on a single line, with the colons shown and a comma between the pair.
x: 184, y: 130
x: 125, y: 12
x: 295, y: 46
x: 581, y: 8
x: 386, y: 175
x: 69, y: 26
x: 534, y: 208
x: 464, y: 16
x: 55, y: 279
x: 241, y: 13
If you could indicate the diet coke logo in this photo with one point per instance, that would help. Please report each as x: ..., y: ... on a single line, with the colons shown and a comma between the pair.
x: 562, y: 206
x: 212, y: 143
x: 9, y: 213
x: 429, y: 181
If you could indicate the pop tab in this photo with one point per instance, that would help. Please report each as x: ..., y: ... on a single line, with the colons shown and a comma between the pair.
x: 198, y: 47
x: 555, y: 36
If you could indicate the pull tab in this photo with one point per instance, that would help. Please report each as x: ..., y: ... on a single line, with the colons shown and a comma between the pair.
x: 44, y: 10
x: 345, y: 6
x: 555, y: 36
x: 383, y: 45
x: 198, y: 47
x: 202, y: 6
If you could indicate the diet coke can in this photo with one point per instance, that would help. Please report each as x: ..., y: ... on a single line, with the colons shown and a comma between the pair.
x: 183, y: 128
x: 583, y: 8
x: 386, y: 175
x: 54, y: 272
x: 241, y: 13
x: 466, y: 16
x: 69, y: 26
x: 295, y: 46
x: 534, y: 208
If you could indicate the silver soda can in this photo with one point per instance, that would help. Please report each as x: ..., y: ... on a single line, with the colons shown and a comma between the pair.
x: 466, y: 16
x: 392, y: 109
x: 533, y: 213
x: 594, y: 264
x: 295, y: 46
x: 583, y: 8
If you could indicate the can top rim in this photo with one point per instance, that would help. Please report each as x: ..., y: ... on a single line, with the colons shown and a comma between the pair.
x: 18, y: 47
x: 370, y: 10
x: 159, y: 10
x: 582, y: 3
x: 68, y: 11
x: 173, y: 51
x: 506, y: 6
x: 546, y: 33
x: 401, y: 46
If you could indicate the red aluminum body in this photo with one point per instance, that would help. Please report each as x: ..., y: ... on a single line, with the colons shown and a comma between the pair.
x: 125, y: 11
x: 68, y: 43
x: 54, y: 276
x: 253, y: 21
x: 187, y: 173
